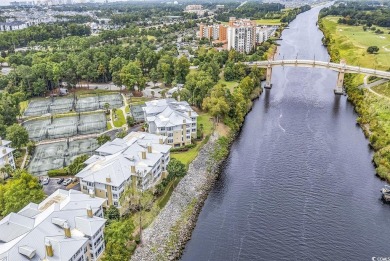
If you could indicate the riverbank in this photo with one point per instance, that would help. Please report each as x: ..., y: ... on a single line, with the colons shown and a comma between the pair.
x: 373, y: 109
x: 166, y: 236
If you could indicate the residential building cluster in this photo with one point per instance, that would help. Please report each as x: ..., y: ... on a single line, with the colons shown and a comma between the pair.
x: 240, y: 34
x: 67, y: 225
x: 195, y: 9
x: 171, y: 118
x: 139, y: 159
x: 6, y: 156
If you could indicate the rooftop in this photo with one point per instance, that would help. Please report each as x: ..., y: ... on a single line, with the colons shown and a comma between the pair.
x: 24, y: 234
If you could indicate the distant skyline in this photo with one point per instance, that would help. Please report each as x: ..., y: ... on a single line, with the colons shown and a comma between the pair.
x: 6, y: 2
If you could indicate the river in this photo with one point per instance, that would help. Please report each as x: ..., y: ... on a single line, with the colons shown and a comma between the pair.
x: 298, y: 183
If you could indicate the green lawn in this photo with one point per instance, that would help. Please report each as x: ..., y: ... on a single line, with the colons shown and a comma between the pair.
x: 119, y: 120
x: 383, y: 89
x: 353, y: 41
x: 188, y: 156
x: 109, y: 126
x: 137, y: 100
x: 229, y: 85
x: 268, y: 22
x: 127, y: 109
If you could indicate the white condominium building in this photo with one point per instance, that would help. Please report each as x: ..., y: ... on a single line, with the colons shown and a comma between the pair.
x: 241, y: 35
x: 6, y: 156
x: 68, y: 225
x: 139, y: 159
x: 171, y: 118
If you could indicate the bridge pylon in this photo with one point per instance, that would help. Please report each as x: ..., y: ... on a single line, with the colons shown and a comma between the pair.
x: 268, y: 76
x: 340, y: 79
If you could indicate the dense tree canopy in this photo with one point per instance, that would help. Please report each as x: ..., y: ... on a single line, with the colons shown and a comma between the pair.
x: 22, y: 189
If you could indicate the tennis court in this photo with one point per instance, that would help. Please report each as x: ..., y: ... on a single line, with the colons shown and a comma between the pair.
x: 60, y: 154
x: 68, y: 126
x: 57, y: 105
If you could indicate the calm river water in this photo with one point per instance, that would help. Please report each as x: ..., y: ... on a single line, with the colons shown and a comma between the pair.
x: 299, y: 183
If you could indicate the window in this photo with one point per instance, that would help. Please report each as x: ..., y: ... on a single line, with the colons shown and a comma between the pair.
x: 170, y: 134
x: 162, y: 128
x: 193, y: 130
x: 188, y: 131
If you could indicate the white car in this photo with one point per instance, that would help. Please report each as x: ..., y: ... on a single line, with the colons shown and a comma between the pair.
x: 67, y: 182
x: 45, y: 181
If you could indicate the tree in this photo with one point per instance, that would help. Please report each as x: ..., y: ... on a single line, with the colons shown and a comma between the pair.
x: 198, y: 83
x: 121, y: 134
x: 31, y: 146
x: 18, y: 135
x: 216, y: 104
x: 182, y: 68
x: 130, y: 121
x: 102, y: 139
x: 131, y: 76
x: 106, y: 107
x: 165, y: 67
x: 112, y: 214
x: 176, y: 169
x: 154, y: 76
x: 77, y: 164
x: 118, y: 235
x: 22, y: 189
x: 372, y: 49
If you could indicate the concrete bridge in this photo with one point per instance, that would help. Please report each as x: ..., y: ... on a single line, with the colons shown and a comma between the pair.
x: 342, y: 68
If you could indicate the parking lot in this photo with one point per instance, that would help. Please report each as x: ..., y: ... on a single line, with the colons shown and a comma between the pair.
x: 53, y: 186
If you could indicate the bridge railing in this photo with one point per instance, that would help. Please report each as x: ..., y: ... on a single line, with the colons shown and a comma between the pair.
x: 322, y: 64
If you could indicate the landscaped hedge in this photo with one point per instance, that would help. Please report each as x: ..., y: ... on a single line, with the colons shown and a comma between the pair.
x: 183, y: 148
x: 57, y: 172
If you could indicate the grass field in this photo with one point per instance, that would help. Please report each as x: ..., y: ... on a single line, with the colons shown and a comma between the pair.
x: 188, y: 156
x: 353, y: 41
x: 151, y: 37
x: 383, y: 89
x: 230, y: 85
x: 119, y: 120
x: 268, y: 22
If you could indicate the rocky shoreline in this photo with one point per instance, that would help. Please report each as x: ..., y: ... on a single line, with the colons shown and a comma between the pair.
x: 166, y: 237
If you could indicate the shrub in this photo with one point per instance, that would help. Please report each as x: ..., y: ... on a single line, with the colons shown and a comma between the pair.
x: 57, y: 172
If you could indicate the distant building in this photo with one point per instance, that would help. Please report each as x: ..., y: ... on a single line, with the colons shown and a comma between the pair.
x: 12, y: 26
x: 6, y: 156
x: 171, y: 118
x: 67, y: 225
x: 213, y: 32
x: 196, y: 9
x: 241, y: 35
x: 139, y: 159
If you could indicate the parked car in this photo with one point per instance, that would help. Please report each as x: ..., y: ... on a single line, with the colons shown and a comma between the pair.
x: 60, y: 180
x: 45, y: 181
x: 67, y: 182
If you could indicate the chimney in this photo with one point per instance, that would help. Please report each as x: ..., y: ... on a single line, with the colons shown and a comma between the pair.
x: 143, y: 154
x: 189, y: 113
x: 184, y: 121
x: 108, y: 179
x: 1, y: 141
x: 132, y: 168
x: 4, y: 151
x: 91, y: 193
x: 67, y: 230
x: 149, y: 148
x: 161, y: 140
x: 49, y: 248
x: 89, y: 211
